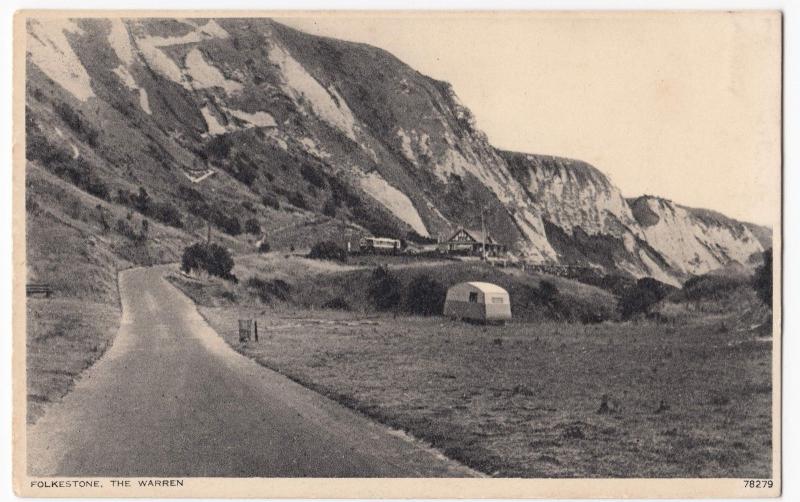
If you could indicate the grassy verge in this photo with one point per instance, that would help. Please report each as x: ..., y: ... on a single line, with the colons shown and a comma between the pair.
x: 65, y: 336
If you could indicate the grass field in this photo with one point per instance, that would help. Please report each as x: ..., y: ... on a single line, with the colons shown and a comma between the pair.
x: 690, y: 397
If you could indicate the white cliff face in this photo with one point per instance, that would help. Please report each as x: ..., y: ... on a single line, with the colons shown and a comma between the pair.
x: 689, y: 240
x: 571, y: 193
x: 50, y: 50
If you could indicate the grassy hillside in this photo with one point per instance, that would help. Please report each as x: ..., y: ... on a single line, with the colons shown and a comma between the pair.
x: 296, y: 282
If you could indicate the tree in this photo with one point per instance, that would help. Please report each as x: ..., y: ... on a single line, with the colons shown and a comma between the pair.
x: 762, y: 282
x: 210, y: 257
x: 644, y: 294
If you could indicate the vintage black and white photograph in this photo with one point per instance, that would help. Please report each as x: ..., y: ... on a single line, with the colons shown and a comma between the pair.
x: 397, y: 245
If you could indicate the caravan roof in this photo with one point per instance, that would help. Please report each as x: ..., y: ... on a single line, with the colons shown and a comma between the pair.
x: 487, y: 287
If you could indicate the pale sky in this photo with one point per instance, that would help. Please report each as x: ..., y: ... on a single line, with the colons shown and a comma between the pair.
x: 684, y: 106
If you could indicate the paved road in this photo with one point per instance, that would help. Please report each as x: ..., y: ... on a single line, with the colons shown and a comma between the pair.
x: 170, y: 398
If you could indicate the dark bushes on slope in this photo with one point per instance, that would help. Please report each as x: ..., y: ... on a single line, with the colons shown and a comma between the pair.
x: 267, y: 290
x: 328, y: 250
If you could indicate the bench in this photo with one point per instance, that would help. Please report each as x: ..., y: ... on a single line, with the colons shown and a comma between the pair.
x: 38, y: 289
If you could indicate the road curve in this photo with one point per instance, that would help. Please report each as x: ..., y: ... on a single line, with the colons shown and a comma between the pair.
x: 171, y: 399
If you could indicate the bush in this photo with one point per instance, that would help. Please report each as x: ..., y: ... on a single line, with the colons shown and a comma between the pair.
x: 762, y: 282
x: 714, y: 287
x: 229, y: 224
x: 264, y: 247
x: 266, y: 290
x: 425, y: 296
x: 124, y: 228
x: 328, y: 250
x: 74, y: 121
x: 639, y: 298
x: 312, y: 176
x: 385, y: 289
x: 212, y: 258
x: 270, y: 200
x: 337, y: 303
x: 166, y: 213
x: 252, y: 226
x: 219, y: 147
x: 329, y: 209
x: 297, y: 200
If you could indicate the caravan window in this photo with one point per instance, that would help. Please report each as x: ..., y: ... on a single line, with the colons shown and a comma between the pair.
x: 473, y: 297
x: 497, y: 299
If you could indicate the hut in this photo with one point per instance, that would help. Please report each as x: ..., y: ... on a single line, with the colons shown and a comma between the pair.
x: 478, y: 301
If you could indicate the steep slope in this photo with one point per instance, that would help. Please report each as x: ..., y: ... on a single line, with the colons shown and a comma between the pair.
x: 241, y: 123
x: 693, y: 241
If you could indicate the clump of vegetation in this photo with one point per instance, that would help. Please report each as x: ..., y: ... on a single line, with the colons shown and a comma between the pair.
x: 252, y: 226
x: 711, y: 287
x: 164, y: 212
x: 337, y: 303
x: 639, y: 298
x: 762, y: 282
x: 263, y: 247
x: 74, y: 121
x: 328, y: 250
x: 312, y: 176
x: 386, y: 290
x: 270, y: 200
x: 61, y: 162
x: 425, y: 296
x: 297, y: 200
x: 266, y: 290
x: 211, y: 258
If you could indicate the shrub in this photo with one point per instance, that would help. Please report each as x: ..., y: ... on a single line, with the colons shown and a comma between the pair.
x: 212, y: 258
x: 219, y: 147
x: 141, y: 201
x: 189, y: 193
x: 266, y: 290
x: 312, y: 176
x: 252, y: 226
x: 385, y: 289
x: 124, y: 228
x: 243, y: 169
x: 711, y: 287
x: 270, y: 200
x: 229, y: 224
x: 329, y: 209
x: 328, y: 250
x: 425, y: 296
x: 337, y: 303
x: 639, y: 298
x: 297, y: 200
x: 74, y: 121
x: 762, y: 282
x: 166, y: 213
x: 264, y: 247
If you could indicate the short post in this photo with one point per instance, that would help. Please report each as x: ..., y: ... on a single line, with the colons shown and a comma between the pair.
x: 255, y: 330
x: 245, y: 329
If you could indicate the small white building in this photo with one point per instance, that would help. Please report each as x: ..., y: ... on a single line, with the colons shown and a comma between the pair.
x: 478, y: 301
